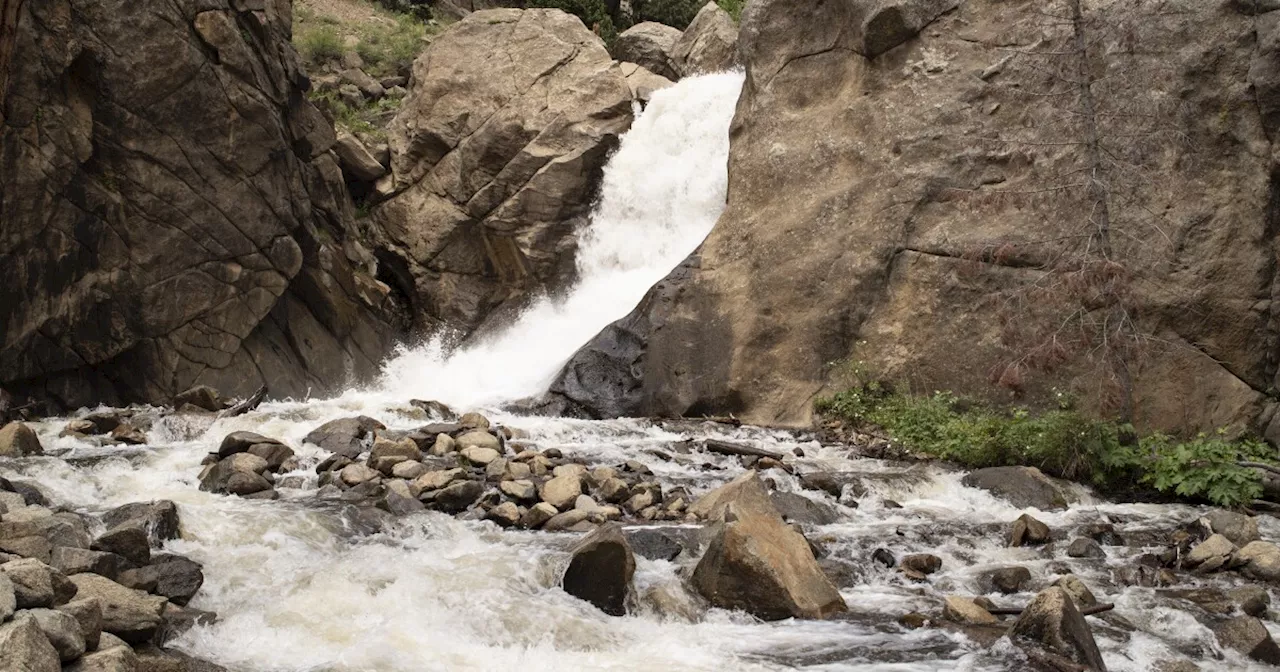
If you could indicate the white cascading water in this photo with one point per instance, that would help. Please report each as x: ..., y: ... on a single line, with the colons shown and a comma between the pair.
x: 304, y: 586
x: 663, y: 190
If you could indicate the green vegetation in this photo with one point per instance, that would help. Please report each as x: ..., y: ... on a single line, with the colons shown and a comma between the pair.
x: 318, y: 44
x: 594, y: 15
x: 386, y: 41
x: 368, y: 119
x: 1061, y: 442
x: 676, y: 13
x: 389, y: 48
x: 733, y: 7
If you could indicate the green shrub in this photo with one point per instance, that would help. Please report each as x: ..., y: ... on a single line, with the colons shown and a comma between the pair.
x: 1061, y: 442
x: 733, y: 7
x: 390, y: 48
x: 675, y: 13
x: 594, y: 15
x: 320, y: 43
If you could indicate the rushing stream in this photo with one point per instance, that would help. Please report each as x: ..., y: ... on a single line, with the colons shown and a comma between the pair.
x: 302, y: 585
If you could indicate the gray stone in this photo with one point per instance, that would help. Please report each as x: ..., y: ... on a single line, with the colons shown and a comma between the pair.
x: 24, y: 647
x: 561, y: 491
x: 1250, y: 637
x: 1084, y: 547
x: 1028, y: 531
x: 130, y: 543
x: 459, y: 496
x: 1023, y: 487
x: 800, y: 509
x: 78, y: 560
x: 708, y: 45
x: 171, y: 576
x: 63, y: 632
x: 131, y: 615
x: 1053, y: 623
x: 88, y: 613
x: 1238, y: 528
x: 345, y: 436
x: 648, y: 44
x: 601, y: 570
x: 19, y: 440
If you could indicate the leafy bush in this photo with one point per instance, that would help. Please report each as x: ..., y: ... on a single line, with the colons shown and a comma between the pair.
x: 733, y: 7
x: 390, y: 48
x: 676, y: 13
x: 594, y: 15
x: 320, y: 43
x: 1060, y: 442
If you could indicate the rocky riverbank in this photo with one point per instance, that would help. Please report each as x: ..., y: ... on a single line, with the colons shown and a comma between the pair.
x: 805, y: 533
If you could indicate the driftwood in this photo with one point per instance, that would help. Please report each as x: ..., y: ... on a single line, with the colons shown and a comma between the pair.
x: 1085, y: 611
x: 246, y: 405
x: 727, y: 448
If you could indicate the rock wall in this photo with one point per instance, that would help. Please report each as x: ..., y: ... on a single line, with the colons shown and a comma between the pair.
x: 877, y: 145
x: 172, y: 212
x: 496, y: 158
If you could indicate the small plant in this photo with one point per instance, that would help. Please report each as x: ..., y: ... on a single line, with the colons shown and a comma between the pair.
x: 733, y: 7
x: 320, y: 44
x: 675, y: 13
x: 1060, y: 442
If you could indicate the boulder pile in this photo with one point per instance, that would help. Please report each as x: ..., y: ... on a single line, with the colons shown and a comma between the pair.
x: 73, y: 599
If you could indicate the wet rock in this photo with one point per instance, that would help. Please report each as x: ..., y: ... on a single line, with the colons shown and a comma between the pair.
x: 1250, y: 637
x: 130, y: 543
x: 664, y: 542
x: 408, y: 470
x: 613, y: 490
x: 823, y: 481
x: 1024, y: 487
x: 1008, y: 580
x: 884, y: 557
x: 479, y: 456
x: 355, y: 474
x: 1053, y: 623
x: 572, y: 520
x: 346, y: 436
x: 19, y: 440
x: 443, y: 445
x: 537, y: 515
x: 435, y: 480
x: 524, y: 491
x: 171, y: 576
x: 1103, y: 533
x: 757, y: 563
x: 1028, y: 531
x: 601, y: 570
x: 1143, y: 575
x: 432, y: 407
x: 176, y: 620
x: 1210, y: 554
x: 505, y: 514
x: 800, y: 509
x: 561, y: 491
x: 78, y: 560
x: 30, y: 546
x: 240, y: 442
x: 200, y: 396
x: 88, y: 614
x: 923, y: 563
x: 131, y: 615
x: 218, y: 477
x: 1260, y: 560
x: 672, y: 602
x: 114, y: 659
x: 965, y: 611
x: 745, y: 493
x: 24, y: 647
x: 276, y: 455
x: 1238, y: 528
x: 128, y: 434
x: 474, y: 420
x: 1076, y: 590
x: 62, y: 631
x: 1250, y: 600
x: 479, y: 439
x: 457, y: 497
x: 249, y: 486
x: 158, y: 518
x: 1084, y: 547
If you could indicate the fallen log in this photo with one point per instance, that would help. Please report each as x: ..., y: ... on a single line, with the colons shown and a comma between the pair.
x: 728, y: 448
x: 246, y: 405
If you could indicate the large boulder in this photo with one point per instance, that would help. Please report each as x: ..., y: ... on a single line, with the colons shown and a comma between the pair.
x: 757, y: 563
x: 496, y: 157
x: 892, y: 198
x: 1250, y: 637
x: 345, y: 436
x: 1053, y: 623
x: 648, y: 44
x: 601, y: 569
x: 1023, y: 487
x: 158, y: 518
x: 173, y: 213
x: 131, y: 615
x: 19, y: 440
x: 24, y: 647
x: 63, y: 632
x: 709, y: 44
x: 1260, y: 560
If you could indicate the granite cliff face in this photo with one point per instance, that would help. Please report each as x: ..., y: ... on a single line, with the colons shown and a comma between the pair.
x: 883, y: 152
x: 172, y: 212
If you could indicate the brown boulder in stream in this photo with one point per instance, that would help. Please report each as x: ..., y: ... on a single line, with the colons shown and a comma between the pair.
x: 1053, y: 624
x: 601, y: 570
x: 758, y: 563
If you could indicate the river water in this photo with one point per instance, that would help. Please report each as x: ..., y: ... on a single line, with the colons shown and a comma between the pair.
x: 306, y: 586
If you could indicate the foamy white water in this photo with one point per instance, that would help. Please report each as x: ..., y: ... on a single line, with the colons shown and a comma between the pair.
x: 663, y: 190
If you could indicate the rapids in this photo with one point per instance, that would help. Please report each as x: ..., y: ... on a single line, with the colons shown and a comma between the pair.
x: 307, y: 586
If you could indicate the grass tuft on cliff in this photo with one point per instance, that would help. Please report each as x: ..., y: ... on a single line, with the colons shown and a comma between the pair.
x: 1060, y: 442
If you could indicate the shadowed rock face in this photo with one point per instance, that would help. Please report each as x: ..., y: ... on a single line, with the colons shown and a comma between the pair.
x: 172, y: 212
x: 496, y: 158
x: 870, y: 158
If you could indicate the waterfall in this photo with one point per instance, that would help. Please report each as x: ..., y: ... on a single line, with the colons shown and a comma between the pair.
x: 663, y: 190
